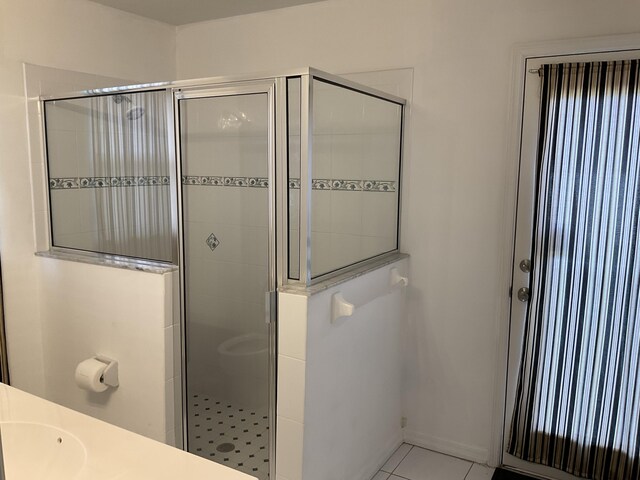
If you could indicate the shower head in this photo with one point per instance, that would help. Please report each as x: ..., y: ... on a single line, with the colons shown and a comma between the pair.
x: 134, y: 113
x: 118, y: 99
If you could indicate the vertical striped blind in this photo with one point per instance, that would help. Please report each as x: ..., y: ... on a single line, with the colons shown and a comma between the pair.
x: 578, y: 397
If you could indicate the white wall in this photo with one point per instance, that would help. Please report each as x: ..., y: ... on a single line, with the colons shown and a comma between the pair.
x: 459, y: 181
x: 79, y: 36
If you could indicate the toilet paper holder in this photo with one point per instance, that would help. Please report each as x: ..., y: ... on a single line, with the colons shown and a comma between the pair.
x: 110, y: 374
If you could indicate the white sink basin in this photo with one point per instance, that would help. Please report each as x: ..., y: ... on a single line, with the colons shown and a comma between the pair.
x: 37, y: 451
x: 45, y: 441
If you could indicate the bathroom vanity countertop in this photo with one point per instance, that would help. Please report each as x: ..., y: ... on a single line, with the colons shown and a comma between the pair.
x: 61, y: 444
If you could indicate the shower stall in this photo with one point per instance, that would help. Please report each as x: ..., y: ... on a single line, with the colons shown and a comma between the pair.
x: 245, y: 185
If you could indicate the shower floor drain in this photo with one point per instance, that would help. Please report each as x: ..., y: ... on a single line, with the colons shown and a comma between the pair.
x: 231, y: 435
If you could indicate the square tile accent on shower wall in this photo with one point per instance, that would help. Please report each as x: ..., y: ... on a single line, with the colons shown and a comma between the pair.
x: 213, y: 242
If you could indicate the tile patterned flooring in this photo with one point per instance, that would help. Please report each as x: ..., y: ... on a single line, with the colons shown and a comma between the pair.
x: 214, y: 424
x: 235, y: 437
x: 409, y: 462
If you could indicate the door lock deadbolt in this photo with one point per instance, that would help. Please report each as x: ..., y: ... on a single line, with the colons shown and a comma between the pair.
x: 523, y: 294
x: 525, y: 265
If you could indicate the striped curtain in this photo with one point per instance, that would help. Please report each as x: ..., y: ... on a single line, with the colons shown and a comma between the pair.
x: 577, y: 403
x: 131, y: 168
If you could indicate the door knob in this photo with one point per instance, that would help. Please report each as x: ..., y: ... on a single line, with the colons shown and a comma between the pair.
x: 523, y: 294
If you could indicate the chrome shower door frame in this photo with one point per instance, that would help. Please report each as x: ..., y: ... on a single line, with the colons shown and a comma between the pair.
x: 247, y: 87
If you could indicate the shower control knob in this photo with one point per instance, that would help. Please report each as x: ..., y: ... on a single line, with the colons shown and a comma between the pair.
x: 523, y: 294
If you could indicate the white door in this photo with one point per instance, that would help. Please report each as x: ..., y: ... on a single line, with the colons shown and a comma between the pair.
x: 526, y: 211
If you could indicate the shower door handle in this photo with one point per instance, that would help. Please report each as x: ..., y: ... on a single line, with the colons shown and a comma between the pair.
x: 270, y: 306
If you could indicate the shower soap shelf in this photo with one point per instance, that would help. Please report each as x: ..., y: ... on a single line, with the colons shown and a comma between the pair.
x: 342, y: 308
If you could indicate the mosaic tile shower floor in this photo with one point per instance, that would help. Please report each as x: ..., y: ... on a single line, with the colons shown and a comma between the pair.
x: 233, y: 436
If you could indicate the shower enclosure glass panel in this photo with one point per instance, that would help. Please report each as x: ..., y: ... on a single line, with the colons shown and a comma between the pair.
x: 109, y: 174
x: 355, y: 176
x: 226, y: 158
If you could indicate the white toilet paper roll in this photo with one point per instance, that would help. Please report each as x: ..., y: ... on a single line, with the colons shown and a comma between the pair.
x: 88, y: 374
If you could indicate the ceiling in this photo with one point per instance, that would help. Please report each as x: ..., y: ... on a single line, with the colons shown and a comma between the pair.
x: 181, y: 12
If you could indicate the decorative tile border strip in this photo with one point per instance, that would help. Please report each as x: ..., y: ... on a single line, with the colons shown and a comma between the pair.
x: 379, y: 186
x: 105, y: 182
x: 255, y: 182
x: 63, y: 183
x: 347, y: 185
x: 321, y: 184
x: 294, y: 183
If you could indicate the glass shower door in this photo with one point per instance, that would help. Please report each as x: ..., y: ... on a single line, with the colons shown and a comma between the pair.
x: 226, y: 152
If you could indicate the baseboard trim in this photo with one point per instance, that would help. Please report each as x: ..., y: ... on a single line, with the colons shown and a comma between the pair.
x: 449, y: 447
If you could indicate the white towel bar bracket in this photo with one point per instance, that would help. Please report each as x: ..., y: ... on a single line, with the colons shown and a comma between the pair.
x: 342, y: 308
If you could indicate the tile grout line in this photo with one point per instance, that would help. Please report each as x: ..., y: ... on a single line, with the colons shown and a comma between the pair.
x: 468, y: 471
x: 445, y: 454
x: 414, y: 446
x: 405, y: 456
